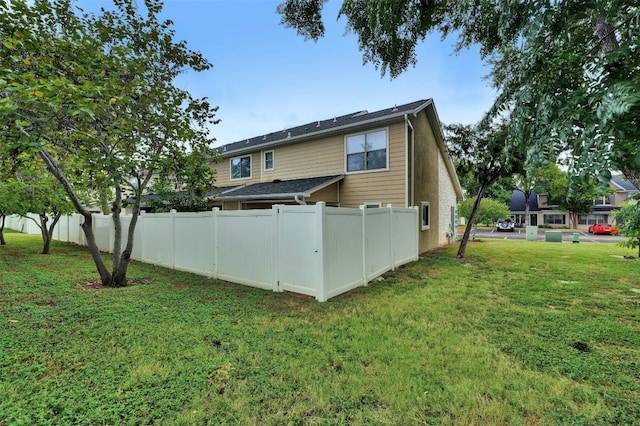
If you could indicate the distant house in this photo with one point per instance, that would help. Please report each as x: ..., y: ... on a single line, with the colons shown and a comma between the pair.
x: 541, y: 213
x: 396, y: 156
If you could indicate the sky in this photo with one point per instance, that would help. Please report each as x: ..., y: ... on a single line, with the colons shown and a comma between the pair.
x: 267, y: 78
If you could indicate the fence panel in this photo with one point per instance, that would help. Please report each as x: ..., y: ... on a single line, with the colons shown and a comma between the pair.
x: 378, y: 251
x: 404, y: 238
x: 194, y: 243
x: 298, y: 250
x: 31, y: 224
x: 17, y: 223
x: 157, y: 239
x: 343, y: 256
x: 312, y: 250
x: 61, y: 231
x: 76, y: 234
x: 102, y: 227
x: 246, y: 248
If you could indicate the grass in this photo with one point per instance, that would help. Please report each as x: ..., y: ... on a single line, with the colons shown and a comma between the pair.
x: 520, y: 332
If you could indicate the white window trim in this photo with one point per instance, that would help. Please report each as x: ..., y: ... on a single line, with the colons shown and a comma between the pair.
x: 386, y: 169
x: 250, y: 167
x: 424, y: 227
x: 273, y: 160
x: 371, y: 205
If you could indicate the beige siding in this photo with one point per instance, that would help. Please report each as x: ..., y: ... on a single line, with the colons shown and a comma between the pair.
x: 320, y: 157
x: 325, y: 157
x: 387, y: 187
x: 427, y: 178
x: 328, y: 195
x: 230, y: 205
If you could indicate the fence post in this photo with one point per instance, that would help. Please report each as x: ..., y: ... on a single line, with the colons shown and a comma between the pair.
x: 391, y: 240
x: 321, y: 290
x: 140, y: 230
x: 365, y: 281
x: 173, y: 238
x: 214, y: 223
x: 417, y: 233
x: 276, y: 212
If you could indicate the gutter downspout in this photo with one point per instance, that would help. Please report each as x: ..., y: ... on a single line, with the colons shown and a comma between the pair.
x: 412, y: 166
x: 299, y: 199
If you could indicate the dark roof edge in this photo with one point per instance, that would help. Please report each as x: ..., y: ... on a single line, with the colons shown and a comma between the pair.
x: 295, y: 139
x: 230, y: 197
x: 442, y: 146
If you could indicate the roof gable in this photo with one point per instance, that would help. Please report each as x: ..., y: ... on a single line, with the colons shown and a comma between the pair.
x: 280, y: 188
x: 321, y: 127
x: 622, y: 183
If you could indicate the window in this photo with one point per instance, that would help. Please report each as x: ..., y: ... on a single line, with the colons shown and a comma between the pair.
x: 592, y: 219
x: 367, y: 151
x: 241, y: 167
x: 372, y: 205
x: 424, y: 215
x: 554, y: 219
x: 603, y: 201
x: 269, y: 163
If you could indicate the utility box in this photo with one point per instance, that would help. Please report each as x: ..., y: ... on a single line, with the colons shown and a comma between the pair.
x: 532, y: 233
x: 576, y: 237
x: 553, y: 236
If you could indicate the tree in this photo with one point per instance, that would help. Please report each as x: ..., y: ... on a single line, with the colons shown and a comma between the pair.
x: 529, y: 181
x: 37, y: 191
x: 569, y: 193
x: 501, y: 190
x: 628, y: 219
x: 178, y: 191
x: 482, y: 154
x: 8, y: 201
x: 488, y: 212
x: 98, y: 89
x: 566, y: 71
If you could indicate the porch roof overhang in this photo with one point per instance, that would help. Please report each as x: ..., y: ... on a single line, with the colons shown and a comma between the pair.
x: 278, y: 190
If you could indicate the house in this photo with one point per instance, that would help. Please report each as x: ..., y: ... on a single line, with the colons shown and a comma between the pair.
x: 541, y: 213
x: 396, y: 156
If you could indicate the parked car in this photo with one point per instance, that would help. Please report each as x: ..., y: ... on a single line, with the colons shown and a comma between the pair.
x: 506, y: 225
x: 603, y: 228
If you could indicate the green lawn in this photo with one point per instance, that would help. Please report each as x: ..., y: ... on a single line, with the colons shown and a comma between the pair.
x: 520, y: 332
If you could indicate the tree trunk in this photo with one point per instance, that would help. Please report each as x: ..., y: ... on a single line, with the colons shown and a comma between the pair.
x: 573, y: 217
x: 105, y: 276
x: 47, y: 233
x: 87, y: 227
x: 527, y: 194
x: 120, y: 264
x: 632, y: 176
x: 472, y: 218
x: 46, y: 238
x: 2, y: 219
x: 122, y: 259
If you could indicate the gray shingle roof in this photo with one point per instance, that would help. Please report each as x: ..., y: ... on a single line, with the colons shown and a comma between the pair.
x: 517, y: 203
x: 281, y: 188
x: 623, y: 183
x: 319, y: 127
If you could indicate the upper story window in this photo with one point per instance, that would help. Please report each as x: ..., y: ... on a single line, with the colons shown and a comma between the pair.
x: 603, y: 201
x: 269, y: 160
x: 241, y: 167
x: 367, y: 151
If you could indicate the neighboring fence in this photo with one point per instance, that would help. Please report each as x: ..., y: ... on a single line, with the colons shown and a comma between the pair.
x: 314, y: 250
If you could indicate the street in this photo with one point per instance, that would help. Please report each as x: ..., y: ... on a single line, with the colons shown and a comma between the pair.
x: 520, y: 234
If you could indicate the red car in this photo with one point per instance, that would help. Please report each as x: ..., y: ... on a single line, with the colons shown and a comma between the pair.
x: 603, y: 228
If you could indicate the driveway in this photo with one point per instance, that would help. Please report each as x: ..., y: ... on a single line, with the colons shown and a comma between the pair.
x: 567, y: 235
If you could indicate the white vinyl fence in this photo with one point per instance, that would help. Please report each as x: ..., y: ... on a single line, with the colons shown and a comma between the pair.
x: 314, y: 250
